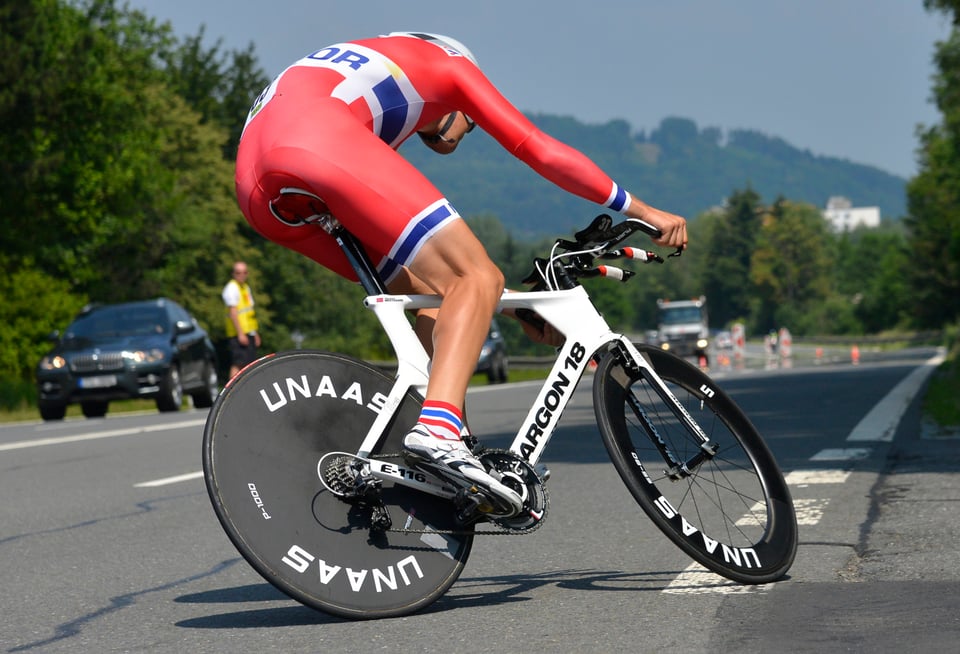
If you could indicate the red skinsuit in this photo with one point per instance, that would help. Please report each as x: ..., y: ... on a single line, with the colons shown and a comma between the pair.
x: 323, y: 137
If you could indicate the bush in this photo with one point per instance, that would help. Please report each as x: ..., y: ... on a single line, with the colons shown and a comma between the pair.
x: 17, y: 394
x: 940, y: 402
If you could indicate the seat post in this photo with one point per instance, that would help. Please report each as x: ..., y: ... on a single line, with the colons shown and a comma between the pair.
x: 367, y: 273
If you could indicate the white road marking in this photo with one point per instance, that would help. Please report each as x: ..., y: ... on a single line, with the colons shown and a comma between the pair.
x: 697, y: 580
x: 808, y: 477
x: 132, y: 431
x: 880, y: 424
x: 169, y: 480
x: 841, y: 454
x: 810, y: 511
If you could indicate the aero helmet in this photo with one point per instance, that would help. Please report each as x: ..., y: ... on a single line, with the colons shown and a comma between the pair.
x: 441, y: 40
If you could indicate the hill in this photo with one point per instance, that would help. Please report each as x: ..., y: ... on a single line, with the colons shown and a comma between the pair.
x: 677, y: 167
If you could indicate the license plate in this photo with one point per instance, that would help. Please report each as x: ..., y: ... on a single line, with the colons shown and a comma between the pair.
x: 100, y: 381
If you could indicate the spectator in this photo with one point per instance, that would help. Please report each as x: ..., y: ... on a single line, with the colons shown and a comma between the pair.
x: 241, y: 319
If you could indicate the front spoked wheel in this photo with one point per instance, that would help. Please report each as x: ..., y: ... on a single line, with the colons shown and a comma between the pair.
x: 387, y: 554
x: 730, y: 509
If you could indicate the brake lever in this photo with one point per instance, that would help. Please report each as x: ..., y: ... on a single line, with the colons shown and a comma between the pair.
x: 594, y: 233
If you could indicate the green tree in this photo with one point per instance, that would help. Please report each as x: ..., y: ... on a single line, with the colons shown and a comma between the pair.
x: 933, y: 196
x: 869, y: 275
x: 728, y: 250
x: 790, y: 268
x: 219, y: 86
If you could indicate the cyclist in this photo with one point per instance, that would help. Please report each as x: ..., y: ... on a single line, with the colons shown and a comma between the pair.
x: 321, y: 140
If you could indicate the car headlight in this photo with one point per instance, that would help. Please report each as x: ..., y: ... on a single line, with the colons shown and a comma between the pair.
x: 702, y: 343
x: 665, y: 346
x: 53, y: 363
x: 144, y: 356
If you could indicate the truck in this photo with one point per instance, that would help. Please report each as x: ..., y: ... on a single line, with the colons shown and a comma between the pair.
x: 683, y: 327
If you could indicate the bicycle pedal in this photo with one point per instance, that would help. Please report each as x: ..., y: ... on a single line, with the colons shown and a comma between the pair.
x: 542, y: 471
x: 472, y: 504
x: 468, y: 505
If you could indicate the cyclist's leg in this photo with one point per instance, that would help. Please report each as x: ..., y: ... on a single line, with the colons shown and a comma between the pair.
x: 456, y: 266
x: 383, y: 200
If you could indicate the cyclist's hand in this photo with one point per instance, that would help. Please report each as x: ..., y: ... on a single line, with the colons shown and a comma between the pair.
x: 673, y: 227
x: 549, y: 335
x: 541, y: 332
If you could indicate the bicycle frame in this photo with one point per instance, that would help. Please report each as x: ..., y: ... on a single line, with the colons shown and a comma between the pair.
x: 570, y: 311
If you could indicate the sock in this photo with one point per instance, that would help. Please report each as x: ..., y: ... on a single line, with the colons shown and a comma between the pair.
x: 441, y: 419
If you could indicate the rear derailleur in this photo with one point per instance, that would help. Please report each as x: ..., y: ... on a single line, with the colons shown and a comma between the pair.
x: 349, y: 478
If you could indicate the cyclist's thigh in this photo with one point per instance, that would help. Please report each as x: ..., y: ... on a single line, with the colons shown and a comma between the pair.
x: 373, y: 191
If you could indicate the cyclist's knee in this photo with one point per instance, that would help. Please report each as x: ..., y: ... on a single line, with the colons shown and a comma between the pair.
x: 486, y: 281
x: 494, y: 279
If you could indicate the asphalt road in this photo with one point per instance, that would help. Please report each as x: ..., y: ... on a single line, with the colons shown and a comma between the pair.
x: 108, y: 542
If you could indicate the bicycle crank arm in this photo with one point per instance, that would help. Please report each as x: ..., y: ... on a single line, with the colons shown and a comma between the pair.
x: 411, y: 477
x: 349, y: 476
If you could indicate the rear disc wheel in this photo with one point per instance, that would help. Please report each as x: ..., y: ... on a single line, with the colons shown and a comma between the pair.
x: 264, y: 438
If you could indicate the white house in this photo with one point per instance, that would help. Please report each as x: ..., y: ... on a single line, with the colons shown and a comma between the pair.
x: 844, y: 217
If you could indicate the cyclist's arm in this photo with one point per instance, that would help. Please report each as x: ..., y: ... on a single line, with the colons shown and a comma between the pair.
x: 561, y: 164
x: 557, y: 162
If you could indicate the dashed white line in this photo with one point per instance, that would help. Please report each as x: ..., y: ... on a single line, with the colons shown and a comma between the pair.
x: 169, y: 480
x: 810, y: 477
x: 842, y: 454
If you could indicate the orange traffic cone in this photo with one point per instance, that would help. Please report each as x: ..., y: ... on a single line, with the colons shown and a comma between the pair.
x: 855, y: 355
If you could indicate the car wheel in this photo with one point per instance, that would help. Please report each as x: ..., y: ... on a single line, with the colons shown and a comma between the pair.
x: 205, y: 398
x: 497, y: 374
x: 94, y: 408
x: 171, y: 391
x: 53, y: 411
x: 504, y: 367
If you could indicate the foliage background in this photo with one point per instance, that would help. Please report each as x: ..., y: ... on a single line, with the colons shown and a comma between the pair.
x: 116, y: 183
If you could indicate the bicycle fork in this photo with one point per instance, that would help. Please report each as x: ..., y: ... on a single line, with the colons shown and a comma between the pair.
x: 676, y: 469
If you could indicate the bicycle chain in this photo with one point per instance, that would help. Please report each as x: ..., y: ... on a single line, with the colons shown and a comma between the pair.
x: 502, y: 531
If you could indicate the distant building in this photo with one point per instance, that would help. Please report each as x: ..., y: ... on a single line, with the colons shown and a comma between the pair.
x: 843, y: 216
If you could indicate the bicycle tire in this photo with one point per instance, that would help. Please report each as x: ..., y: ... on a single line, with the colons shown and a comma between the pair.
x: 733, y: 514
x: 261, y: 445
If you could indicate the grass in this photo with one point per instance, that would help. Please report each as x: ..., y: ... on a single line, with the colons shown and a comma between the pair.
x: 514, y: 375
x: 27, y: 413
x: 940, y: 402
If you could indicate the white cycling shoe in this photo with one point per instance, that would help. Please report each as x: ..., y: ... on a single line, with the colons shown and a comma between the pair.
x: 453, y: 460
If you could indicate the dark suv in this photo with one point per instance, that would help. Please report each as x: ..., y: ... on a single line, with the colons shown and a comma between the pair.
x: 149, y: 349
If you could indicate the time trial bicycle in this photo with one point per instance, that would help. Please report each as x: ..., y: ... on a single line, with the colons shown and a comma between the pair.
x: 302, y: 450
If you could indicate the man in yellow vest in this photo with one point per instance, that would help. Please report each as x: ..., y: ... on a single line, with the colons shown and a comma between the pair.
x: 241, y: 320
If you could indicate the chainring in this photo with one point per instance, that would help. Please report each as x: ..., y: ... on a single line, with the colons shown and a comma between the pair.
x: 520, y: 476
